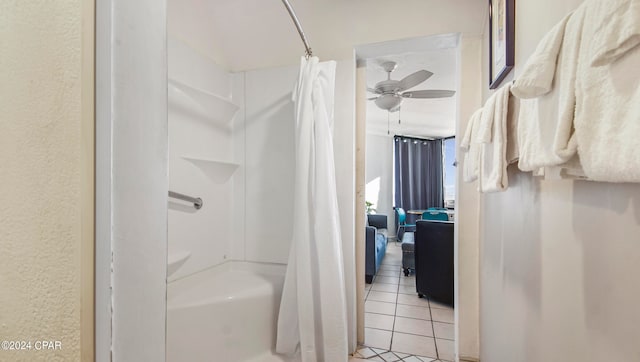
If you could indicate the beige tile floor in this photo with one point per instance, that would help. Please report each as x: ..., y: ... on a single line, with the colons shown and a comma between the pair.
x: 399, y: 326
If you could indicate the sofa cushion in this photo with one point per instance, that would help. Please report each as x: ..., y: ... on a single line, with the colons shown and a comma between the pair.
x: 379, y: 221
x: 376, y: 246
x: 381, y: 249
x: 381, y: 242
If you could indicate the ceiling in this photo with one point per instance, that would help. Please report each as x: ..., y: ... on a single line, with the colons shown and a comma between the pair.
x: 250, y: 34
x: 429, y: 118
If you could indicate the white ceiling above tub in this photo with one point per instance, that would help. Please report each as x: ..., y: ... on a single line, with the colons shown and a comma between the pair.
x: 427, y: 118
x: 251, y: 34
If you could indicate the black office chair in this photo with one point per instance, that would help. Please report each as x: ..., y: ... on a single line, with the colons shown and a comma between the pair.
x: 434, y: 260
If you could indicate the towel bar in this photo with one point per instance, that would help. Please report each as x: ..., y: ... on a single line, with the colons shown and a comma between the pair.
x: 197, y: 202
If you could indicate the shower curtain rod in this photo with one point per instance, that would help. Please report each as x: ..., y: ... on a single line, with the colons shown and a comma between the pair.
x: 299, y: 27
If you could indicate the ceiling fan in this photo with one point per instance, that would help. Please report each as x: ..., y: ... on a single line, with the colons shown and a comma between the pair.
x: 391, y: 93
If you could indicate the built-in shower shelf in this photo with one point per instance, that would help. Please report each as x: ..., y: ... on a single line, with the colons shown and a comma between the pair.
x: 201, y: 103
x: 218, y: 171
x: 175, y: 260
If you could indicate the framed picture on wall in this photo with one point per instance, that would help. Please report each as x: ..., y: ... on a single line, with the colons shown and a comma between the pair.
x: 502, y: 14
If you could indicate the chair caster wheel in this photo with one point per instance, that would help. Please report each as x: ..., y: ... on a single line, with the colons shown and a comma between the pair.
x: 420, y: 295
x: 406, y: 272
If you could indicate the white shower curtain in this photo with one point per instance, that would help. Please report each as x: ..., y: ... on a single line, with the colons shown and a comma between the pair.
x: 313, y: 321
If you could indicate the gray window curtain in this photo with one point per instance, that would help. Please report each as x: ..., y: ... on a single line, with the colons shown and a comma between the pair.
x: 418, y: 173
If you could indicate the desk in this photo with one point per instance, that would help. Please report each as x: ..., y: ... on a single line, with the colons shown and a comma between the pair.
x: 419, y: 213
x: 416, y: 212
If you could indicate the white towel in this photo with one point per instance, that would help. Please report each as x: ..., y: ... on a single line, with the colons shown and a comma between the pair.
x: 618, y: 30
x: 538, y: 73
x: 544, y: 141
x: 471, y: 149
x: 513, y: 148
x: 570, y: 170
x: 493, y: 156
x: 484, y: 131
x: 545, y: 124
x: 607, y: 120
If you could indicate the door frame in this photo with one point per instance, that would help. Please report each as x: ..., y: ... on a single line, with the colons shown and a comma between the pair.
x: 131, y: 180
x: 370, y: 51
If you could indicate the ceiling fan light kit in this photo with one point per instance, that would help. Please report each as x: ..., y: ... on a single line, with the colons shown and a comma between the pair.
x: 388, y: 101
x: 391, y: 92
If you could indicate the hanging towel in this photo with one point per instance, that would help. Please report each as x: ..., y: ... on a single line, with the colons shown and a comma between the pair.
x: 493, y: 156
x: 471, y: 149
x: 513, y: 148
x: 485, y: 127
x: 617, y: 32
x: 545, y: 123
x: 312, y: 321
x: 542, y: 141
x: 607, y: 121
x: 571, y: 170
x: 539, y: 71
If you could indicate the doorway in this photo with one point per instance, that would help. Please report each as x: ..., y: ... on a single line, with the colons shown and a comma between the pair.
x: 395, y: 322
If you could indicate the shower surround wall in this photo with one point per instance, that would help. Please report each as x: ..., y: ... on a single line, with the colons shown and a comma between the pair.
x: 264, y: 145
x: 200, y: 154
x: 263, y: 139
x: 263, y: 142
x: 247, y: 216
x: 244, y: 166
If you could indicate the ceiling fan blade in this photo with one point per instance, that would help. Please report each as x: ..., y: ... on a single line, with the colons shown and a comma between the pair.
x: 414, y: 79
x: 372, y: 90
x: 432, y: 93
x: 372, y: 98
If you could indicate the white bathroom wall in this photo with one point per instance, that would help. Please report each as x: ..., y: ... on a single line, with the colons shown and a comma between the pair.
x: 189, y: 65
x: 237, y: 248
x: 248, y: 217
x: 206, y: 135
x: 269, y: 163
x: 263, y: 144
x: 379, y: 176
x: 559, y: 258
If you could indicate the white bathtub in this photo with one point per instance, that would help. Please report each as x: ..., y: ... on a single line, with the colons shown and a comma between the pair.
x: 227, y: 314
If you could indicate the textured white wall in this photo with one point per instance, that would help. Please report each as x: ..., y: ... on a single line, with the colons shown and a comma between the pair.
x: 559, y: 259
x: 40, y: 155
x: 103, y: 182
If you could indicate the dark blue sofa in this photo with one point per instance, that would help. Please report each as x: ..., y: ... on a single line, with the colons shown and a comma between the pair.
x: 376, y: 244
